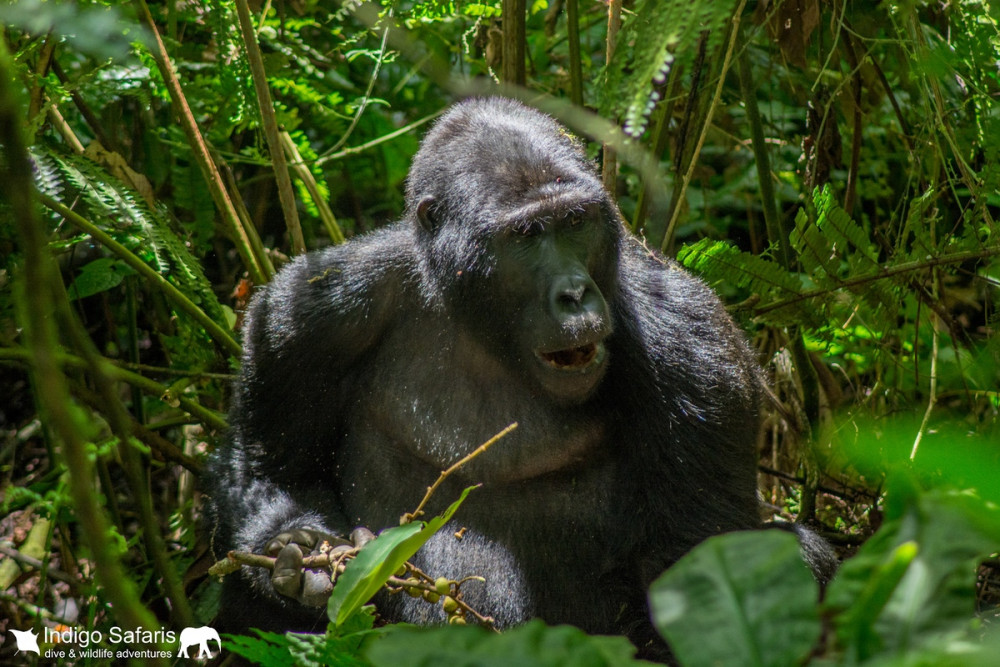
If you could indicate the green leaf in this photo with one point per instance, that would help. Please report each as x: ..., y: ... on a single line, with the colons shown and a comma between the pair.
x: 338, y: 647
x: 857, y: 623
x: 99, y: 276
x: 379, y: 559
x: 751, y: 592
x: 100, y: 31
x: 270, y: 649
x: 656, y: 37
x: 913, y: 583
x: 531, y: 645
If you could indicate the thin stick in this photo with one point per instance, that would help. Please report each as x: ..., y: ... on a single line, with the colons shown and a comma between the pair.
x: 270, y: 126
x: 609, y: 161
x: 407, y: 518
x: 672, y: 225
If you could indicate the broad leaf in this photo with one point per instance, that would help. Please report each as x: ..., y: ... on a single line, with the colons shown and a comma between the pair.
x: 379, y: 559
x: 531, y: 645
x: 739, y: 599
x: 913, y: 583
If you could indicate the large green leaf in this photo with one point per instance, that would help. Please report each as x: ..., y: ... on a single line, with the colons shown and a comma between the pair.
x: 531, y: 645
x: 739, y: 599
x: 379, y: 559
x: 912, y: 585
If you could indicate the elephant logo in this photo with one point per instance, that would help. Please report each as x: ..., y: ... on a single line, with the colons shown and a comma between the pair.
x: 200, y: 636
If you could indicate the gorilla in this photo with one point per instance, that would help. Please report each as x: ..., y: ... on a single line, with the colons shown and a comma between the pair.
x: 508, y: 292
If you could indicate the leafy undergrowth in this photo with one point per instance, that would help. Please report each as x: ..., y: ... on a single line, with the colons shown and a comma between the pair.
x: 908, y: 597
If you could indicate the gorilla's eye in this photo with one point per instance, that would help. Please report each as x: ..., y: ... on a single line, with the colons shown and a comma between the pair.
x: 529, y: 229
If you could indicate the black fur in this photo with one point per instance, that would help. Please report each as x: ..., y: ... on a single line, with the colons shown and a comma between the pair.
x: 370, y: 367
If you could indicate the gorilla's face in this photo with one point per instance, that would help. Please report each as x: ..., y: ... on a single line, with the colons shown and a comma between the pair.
x: 520, y: 241
x: 554, y: 269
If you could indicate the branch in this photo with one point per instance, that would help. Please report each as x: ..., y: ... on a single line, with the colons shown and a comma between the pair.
x: 879, y: 274
x: 270, y: 123
x: 668, y: 236
x: 178, y: 298
x: 609, y: 157
x: 407, y: 518
x: 297, y: 165
x: 204, y: 415
x: 256, y: 262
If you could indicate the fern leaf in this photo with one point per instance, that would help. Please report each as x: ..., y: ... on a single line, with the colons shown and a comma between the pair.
x: 832, y: 246
x: 146, y: 231
x: 719, y: 261
x: 839, y: 226
x: 816, y: 254
x: 663, y: 35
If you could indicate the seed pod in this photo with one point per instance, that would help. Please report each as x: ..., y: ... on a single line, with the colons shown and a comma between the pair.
x: 442, y: 585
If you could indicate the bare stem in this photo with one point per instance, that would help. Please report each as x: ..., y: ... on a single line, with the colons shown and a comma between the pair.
x: 407, y: 518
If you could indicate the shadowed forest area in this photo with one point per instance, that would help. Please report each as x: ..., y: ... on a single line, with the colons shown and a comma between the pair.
x: 830, y: 167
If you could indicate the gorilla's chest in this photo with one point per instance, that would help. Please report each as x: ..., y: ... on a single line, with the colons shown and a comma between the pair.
x: 418, y: 413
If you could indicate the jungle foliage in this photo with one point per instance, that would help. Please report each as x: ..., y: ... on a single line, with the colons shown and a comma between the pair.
x: 832, y: 167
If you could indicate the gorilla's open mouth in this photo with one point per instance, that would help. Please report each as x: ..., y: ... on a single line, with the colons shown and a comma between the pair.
x: 574, y: 358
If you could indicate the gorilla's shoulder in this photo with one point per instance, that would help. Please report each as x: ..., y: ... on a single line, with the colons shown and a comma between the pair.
x: 385, y: 256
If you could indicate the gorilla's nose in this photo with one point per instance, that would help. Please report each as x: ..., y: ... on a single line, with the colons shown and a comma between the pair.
x: 575, y: 295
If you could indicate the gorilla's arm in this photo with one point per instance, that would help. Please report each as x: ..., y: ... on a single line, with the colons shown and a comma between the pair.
x: 304, y: 335
x: 696, y: 388
x: 698, y: 361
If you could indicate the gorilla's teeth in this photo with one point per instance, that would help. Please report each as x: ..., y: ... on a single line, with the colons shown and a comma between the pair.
x: 576, y: 357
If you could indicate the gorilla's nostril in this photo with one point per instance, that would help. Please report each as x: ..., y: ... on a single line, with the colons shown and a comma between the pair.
x: 571, y: 298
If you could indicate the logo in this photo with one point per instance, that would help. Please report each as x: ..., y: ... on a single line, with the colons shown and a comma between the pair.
x: 116, y: 643
x: 26, y: 641
x: 200, y: 636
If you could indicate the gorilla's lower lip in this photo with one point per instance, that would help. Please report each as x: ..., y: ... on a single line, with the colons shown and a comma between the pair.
x: 579, y: 358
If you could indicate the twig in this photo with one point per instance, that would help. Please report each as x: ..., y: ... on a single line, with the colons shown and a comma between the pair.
x: 513, y: 70
x: 371, y: 86
x: 354, y: 150
x: 850, y: 191
x: 297, y: 165
x: 34, y: 610
x: 270, y: 123
x: 407, y: 518
x: 609, y: 158
x: 337, y: 563
x: 880, y: 274
x: 672, y: 225
x: 205, y: 415
x: 575, y: 69
x: 257, y: 264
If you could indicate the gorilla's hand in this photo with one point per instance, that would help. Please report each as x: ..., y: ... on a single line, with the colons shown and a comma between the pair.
x: 310, y: 587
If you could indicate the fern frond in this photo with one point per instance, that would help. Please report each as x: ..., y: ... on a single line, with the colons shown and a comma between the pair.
x: 718, y: 261
x: 48, y: 180
x: 832, y: 247
x: 663, y: 35
x: 816, y: 253
x: 146, y: 231
x: 840, y: 227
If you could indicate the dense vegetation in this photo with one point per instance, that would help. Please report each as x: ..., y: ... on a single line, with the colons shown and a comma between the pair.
x: 832, y: 167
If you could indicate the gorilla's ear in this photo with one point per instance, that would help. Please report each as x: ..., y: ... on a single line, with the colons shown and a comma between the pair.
x: 425, y: 215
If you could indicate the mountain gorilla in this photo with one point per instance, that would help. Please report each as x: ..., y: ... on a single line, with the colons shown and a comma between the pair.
x: 508, y: 292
